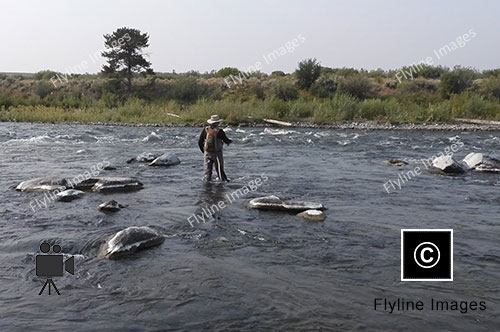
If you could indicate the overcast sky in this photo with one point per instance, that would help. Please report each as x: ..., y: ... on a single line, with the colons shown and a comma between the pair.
x: 204, y: 35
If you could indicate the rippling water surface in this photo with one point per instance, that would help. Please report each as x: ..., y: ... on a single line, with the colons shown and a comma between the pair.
x: 245, y: 269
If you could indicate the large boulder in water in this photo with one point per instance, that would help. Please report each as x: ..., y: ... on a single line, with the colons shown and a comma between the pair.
x: 275, y: 203
x: 481, y: 163
x: 69, y: 194
x: 130, y: 240
x: 166, y: 160
x: 43, y: 185
x: 116, y: 184
x: 447, y: 164
x: 145, y: 157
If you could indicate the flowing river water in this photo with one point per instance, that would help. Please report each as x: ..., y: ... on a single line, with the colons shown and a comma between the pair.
x: 243, y: 269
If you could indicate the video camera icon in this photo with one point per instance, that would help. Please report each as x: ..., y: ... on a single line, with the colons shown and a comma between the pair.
x: 52, y: 265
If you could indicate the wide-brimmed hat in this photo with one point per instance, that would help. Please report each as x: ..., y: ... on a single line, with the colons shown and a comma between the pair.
x: 214, y: 119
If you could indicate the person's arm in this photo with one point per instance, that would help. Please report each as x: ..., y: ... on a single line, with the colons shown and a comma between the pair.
x: 223, y: 137
x: 201, y: 140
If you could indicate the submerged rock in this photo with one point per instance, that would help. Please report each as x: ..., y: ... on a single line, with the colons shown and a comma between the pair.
x: 116, y: 184
x: 275, y: 203
x: 43, y: 185
x: 481, y: 163
x: 110, y: 206
x: 130, y: 240
x: 221, y: 240
x: 153, y: 137
x: 398, y: 162
x: 145, y: 157
x: 69, y: 194
x: 315, y: 215
x: 166, y: 160
x: 447, y: 165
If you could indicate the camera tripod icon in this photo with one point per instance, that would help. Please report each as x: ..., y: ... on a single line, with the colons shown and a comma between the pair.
x: 52, y: 266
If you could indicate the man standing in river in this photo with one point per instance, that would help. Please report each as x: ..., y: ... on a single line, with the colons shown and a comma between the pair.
x: 210, y: 143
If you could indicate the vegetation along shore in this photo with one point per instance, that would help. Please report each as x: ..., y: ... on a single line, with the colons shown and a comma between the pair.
x: 131, y: 92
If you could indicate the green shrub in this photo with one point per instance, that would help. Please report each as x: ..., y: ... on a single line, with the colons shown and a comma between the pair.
x: 286, y: 92
x: 187, y: 89
x: 109, y: 100
x: 439, y: 112
x: 324, y: 87
x: 43, y: 89
x: 307, y: 73
x: 347, y: 72
x: 378, y: 74
x: 258, y: 91
x: 419, y: 91
x: 418, y: 85
x: 492, y: 87
x: 45, y: 75
x: 226, y: 71
x: 471, y: 105
x: 7, y: 101
x: 491, y: 73
x: 431, y: 72
x: 377, y: 109
x: 279, y: 108
x: 357, y: 86
x: 340, y: 107
x: 278, y: 73
x: 302, y: 109
x: 456, y: 81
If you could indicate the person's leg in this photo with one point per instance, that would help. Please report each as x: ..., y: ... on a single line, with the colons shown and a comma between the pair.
x: 208, y: 163
x: 219, y: 164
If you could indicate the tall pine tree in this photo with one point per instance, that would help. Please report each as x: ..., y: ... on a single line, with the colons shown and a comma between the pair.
x: 124, y: 54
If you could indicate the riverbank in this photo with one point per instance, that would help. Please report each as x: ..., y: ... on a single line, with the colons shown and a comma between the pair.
x: 339, y: 112
x: 339, y: 126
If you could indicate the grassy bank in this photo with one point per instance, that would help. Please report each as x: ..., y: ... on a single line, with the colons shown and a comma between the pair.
x: 336, y: 95
x: 339, y: 108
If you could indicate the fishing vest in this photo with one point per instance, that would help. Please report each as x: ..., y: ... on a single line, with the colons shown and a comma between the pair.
x: 211, y: 142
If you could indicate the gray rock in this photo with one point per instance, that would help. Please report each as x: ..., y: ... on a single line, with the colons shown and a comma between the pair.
x: 315, y: 215
x: 110, y: 206
x: 221, y: 240
x: 145, y: 157
x: 166, y: 160
x: 116, y: 184
x: 398, y: 162
x: 69, y: 194
x: 130, y: 240
x: 447, y: 164
x: 43, y: 185
x: 481, y: 163
x: 275, y: 203
x: 83, y: 184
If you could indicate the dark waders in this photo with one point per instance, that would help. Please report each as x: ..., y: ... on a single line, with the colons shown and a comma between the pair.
x: 212, y: 159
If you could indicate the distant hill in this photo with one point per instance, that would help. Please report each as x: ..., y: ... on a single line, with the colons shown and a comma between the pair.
x: 17, y: 74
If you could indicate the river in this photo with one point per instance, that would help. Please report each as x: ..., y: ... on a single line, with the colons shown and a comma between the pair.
x: 246, y: 270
